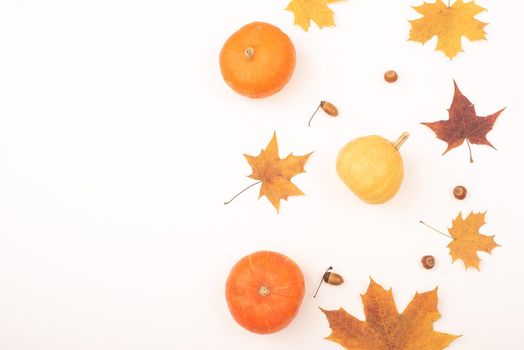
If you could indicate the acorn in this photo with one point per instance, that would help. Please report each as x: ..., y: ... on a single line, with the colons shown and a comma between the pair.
x: 460, y: 192
x: 330, y: 278
x: 327, y: 107
x: 391, y: 76
x: 428, y: 261
x: 333, y: 278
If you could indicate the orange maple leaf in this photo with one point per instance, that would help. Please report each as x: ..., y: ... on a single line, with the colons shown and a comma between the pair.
x: 449, y: 24
x: 276, y: 173
x: 467, y: 239
x: 317, y: 11
x: 385, y: 328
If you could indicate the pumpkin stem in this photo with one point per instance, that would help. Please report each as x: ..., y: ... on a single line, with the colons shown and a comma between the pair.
x: 400, y: 141
x: 249, y: 52
x: 239, y: 193
x: 263, y: 291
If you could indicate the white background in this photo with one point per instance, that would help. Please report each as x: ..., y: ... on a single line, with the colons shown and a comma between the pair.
x: 119, y: 142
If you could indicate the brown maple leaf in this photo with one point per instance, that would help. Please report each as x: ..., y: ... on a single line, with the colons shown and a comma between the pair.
x: 275, y: 173
x: 463, y: 124
x: 385, y: 328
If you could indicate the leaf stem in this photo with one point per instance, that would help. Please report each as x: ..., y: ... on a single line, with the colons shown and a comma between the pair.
x: 322, y: 280
x: 434, y: 229
x: 239, y: 193
x: 316, y: 110
x: 470, y: 154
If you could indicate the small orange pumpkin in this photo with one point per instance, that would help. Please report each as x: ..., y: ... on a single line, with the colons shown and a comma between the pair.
x: 257, y: 60
x: 264, y: 291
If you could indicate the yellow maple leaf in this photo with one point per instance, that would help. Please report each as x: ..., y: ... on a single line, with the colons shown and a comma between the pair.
x: 467, y: 239
x: 385, y: 328
x: 316, y: 10
x: 449, y: 24
x: 276, y: 173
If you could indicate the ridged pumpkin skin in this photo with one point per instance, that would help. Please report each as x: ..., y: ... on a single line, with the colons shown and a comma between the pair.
x: 372, y: 168
x: 264, y: 291
x: 258, y: 60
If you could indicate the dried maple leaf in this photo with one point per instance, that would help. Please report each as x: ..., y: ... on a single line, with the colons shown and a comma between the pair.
x: 385, y: 328
x: 275, y: 173
x: 316, y: 10
x: 464, y: 124
x: 467, y: 239
x: 449, y: 24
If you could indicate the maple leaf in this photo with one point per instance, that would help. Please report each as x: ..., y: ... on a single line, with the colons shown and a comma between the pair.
x: 276, y: 173
x: 316, y: 10
x: 463, y: 124
x: 449, y: 24
x: 467, y: 239
x: 385, y: 328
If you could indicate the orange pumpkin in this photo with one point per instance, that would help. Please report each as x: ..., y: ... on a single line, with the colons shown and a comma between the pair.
x: 258, y: 60
x: 264, y: 291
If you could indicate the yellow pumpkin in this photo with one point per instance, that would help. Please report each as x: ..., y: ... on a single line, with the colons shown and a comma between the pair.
x: 372, y: 167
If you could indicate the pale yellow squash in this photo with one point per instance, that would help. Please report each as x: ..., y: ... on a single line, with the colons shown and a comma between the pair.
x: 372, y: 167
